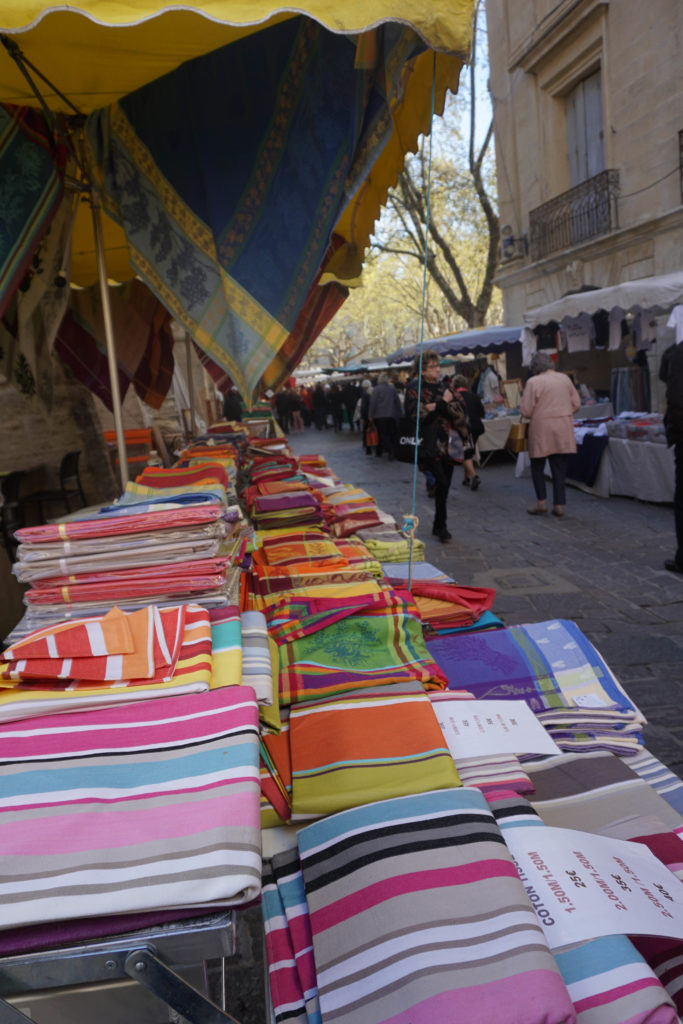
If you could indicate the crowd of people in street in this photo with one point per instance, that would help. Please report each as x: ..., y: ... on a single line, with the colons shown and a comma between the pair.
x: 445, y: 416
x: 385, y: 413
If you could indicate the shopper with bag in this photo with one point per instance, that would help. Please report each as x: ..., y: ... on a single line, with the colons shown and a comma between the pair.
x: 549, y: 402
x: 475, y: 415
x: 438, y: 413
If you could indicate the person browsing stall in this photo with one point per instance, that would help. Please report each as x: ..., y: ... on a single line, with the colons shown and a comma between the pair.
x: 549, y: 402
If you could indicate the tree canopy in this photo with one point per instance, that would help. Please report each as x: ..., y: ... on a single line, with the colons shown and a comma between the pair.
x: 452, y: 178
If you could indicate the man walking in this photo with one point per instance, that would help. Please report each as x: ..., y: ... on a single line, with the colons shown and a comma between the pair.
x: 385, y: 409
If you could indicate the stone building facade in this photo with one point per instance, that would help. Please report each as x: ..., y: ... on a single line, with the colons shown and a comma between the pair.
x: 588, y: 113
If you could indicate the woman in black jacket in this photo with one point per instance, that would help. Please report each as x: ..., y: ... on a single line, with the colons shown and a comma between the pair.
x: 440, y: 413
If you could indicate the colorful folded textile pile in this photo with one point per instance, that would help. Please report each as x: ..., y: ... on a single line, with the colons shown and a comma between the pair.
x: 557, y: 671
x: 328, y: 646
x: 386, y: 543
x: 348, y: 509
x: 140, y: 807
x: 446, y: 606
x: 206, y: 473
x: 416, y: 914
x: 142, y: 496
x: 85, y: 664
x: 608, y: 980
x: 597, y: 792
x: 305, y: 558
x: 658, y: 776
x: 130, y: 558
x: 274, y: 466
x: 293, y: 508
x: 378, y: 744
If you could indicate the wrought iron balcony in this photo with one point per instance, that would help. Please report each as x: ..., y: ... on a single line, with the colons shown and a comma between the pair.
x: 584, y: 212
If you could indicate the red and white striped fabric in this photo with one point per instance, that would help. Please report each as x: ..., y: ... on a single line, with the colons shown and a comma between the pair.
x: 155, y: 636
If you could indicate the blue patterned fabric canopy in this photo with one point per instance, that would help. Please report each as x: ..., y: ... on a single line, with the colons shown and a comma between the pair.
x: 229, y: 174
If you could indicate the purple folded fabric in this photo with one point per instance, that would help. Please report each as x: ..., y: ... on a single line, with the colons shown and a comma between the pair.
x: 279, y: 502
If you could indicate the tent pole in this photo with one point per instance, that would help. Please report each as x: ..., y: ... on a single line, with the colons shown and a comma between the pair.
x: 96, y: 206
x: 190, y: 383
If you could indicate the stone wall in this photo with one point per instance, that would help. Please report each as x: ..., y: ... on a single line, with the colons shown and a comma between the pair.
x: 31, y: 438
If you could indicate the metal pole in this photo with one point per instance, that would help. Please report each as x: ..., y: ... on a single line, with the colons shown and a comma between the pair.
x: 96, y: 204
x: 190, y: 384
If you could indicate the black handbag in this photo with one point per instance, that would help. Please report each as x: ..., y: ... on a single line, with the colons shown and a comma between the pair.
x: 405, y: 448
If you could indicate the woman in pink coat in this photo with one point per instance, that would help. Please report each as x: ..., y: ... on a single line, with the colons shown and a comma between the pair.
x: 549, y: 402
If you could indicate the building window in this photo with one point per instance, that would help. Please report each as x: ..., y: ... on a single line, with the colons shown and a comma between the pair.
x: 585, y: 139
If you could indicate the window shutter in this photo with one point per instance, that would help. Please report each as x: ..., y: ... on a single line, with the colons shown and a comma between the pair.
x: 585, y: 144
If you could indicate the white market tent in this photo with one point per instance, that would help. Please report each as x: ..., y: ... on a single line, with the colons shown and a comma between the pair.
x: 659, y: 294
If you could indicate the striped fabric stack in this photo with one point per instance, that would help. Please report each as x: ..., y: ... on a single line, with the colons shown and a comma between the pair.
x: 114, y: 659
x: 132, y: 558
x: 136, y: 809
x: 415, y: 913
x: 557, y: 671
x: 295, y: 560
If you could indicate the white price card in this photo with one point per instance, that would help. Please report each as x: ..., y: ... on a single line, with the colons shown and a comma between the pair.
x: 476, y: 728
x: 584, y: 886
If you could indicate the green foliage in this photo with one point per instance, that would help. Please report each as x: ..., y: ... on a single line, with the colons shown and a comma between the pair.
x: 463, y: 235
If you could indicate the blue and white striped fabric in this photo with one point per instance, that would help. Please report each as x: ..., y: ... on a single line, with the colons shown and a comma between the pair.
x: 256, y: 665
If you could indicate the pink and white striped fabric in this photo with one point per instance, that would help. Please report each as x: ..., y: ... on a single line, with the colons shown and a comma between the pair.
x: 418, y: 915
x: 128, y: 809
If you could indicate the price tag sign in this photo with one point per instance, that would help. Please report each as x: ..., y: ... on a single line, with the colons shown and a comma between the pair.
x: 476, y: 728
x: 584, y: 886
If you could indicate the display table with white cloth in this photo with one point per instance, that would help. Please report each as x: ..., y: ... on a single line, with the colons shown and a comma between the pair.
x: 641, y: 469
x: 634, y: 469
x: 497, y: 429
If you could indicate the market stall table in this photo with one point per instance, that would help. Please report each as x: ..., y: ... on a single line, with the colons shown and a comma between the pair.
x: 497, y: 429
x: 633, y: 469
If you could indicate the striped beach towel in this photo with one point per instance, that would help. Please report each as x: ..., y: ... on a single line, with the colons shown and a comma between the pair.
x: 191, y: 674
x: 130, y: 809
x: 155, y: 636
x: 418, y: 915
x: 378, y: 744
x: 103, y: 634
